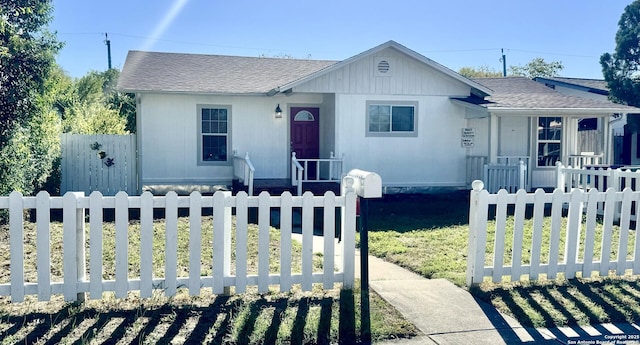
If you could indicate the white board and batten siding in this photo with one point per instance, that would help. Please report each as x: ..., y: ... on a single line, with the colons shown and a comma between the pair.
x: 169, y: 146
x: 433, y: 158
x: 84, y: 170
x: 405, y: 76
x: 79, y: 278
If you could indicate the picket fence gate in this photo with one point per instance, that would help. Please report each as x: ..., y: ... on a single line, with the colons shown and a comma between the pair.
x: 75, y: 282
x: 578, y: 253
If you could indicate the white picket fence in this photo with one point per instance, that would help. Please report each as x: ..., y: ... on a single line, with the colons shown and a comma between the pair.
x: 99, y: 162
x: 79, y: 279
x: 493, y: 259
x: 569, y: 178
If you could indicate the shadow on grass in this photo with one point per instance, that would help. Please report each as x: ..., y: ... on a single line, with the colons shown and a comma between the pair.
x: 215, y: 323
x: 567, y: 303
x: 407, y: 212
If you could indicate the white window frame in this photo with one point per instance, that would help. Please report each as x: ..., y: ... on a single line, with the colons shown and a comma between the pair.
x: 548, y: 141
x: 392, y: 133
x: 201, y: 135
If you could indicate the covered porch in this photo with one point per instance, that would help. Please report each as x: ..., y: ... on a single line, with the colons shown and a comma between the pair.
x: 527, y: 123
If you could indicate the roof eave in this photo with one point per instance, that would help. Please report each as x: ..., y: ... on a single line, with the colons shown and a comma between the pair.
x: 208, y: 93
x: 468, y: 105
x: 556, y: 111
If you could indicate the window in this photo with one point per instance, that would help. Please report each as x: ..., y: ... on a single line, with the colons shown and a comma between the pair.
x: 549, y: 140
x: 213, y: 125
x: 391, y: 118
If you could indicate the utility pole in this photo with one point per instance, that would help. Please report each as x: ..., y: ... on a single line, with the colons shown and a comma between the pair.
x: 504, y: 63
x: 108, y: 43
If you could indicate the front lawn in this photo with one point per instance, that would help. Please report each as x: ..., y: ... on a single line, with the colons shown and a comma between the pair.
x: 428, y: 234
x: 317, y: 317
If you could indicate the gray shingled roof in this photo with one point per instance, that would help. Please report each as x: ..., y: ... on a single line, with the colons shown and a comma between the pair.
x: 597, y: 84
x: 524, y: 93
x: 217, y: 74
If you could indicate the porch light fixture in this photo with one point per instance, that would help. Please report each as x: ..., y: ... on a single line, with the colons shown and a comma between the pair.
x: 278, y: 112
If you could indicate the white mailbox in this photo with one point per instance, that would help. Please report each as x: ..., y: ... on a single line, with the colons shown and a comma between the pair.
x: 365, y: 183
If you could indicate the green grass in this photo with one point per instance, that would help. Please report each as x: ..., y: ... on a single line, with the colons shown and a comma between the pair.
x: 428, y: 234
x: 316, y: 317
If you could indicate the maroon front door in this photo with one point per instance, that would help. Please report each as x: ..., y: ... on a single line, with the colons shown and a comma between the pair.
x: 305, y: 135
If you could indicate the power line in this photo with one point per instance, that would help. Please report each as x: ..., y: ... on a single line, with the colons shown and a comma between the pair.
x: 168, y: 40
x: 471, y: 50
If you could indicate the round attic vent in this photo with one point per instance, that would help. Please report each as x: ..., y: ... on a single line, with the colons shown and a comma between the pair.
x: 383, y: 66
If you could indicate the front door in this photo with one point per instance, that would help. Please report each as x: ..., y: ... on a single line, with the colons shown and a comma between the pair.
x: 305, y: 135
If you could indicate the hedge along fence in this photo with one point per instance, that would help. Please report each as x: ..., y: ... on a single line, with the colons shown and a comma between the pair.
x: 79, y: 279
x: 587, y: 243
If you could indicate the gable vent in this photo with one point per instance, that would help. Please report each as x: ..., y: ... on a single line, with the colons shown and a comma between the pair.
x: 383, y: 66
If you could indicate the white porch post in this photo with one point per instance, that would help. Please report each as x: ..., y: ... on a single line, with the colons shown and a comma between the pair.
x: 494, y: 134
x: 607, y: 141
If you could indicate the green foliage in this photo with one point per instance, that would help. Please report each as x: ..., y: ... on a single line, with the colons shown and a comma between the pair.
x: 27, y: 127
x: 479, y: 72
x: 92, y: 118
x: 537, y: 68
x: 620, y: 69
x: 91, y: 105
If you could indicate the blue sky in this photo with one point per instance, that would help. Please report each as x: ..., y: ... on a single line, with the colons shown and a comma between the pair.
x: 455, y: 33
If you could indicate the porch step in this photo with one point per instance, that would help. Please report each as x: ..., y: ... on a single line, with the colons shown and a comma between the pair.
x: 279, y: 186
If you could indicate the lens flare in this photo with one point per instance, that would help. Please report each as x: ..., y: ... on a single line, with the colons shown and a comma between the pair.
x: 159, y: 30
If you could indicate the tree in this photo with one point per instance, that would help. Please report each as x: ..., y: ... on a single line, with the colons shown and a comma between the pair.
x: 479, y: 72
x: 94, y: 106
x: 123, y: 103
x: 620, y: 69
x: 28, y: 130
x: 537, y: 68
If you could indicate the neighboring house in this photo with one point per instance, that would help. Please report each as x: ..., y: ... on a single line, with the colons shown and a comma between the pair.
x: 389, y: 110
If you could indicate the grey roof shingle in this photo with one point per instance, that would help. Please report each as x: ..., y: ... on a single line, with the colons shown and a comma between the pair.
x: 597, y: 84
x: 524, y: 93
x: 215, y: 74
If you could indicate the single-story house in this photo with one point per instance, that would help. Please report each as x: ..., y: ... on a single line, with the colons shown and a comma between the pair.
x: 391, y: 110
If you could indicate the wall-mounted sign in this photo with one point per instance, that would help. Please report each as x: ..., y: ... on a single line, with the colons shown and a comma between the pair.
x: 467, y: 137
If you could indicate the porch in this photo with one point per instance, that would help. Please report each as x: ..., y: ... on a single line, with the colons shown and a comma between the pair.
x: 317, y: 175
x: 279, y: 186
x: 515, y: 172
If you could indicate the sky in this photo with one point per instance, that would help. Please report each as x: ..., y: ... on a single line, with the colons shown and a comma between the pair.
x: 454, y: 33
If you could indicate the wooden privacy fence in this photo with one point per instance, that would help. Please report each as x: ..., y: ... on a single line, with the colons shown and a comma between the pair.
x: 101, y: 162
x: 573, y: 246
x: 79, y: 279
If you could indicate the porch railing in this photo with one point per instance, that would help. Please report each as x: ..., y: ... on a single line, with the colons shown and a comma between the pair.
x: 315, y: 170
x: 584, y: 159
x: 244, y: 170
x: 509, y: 177
x: 475, y: 168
